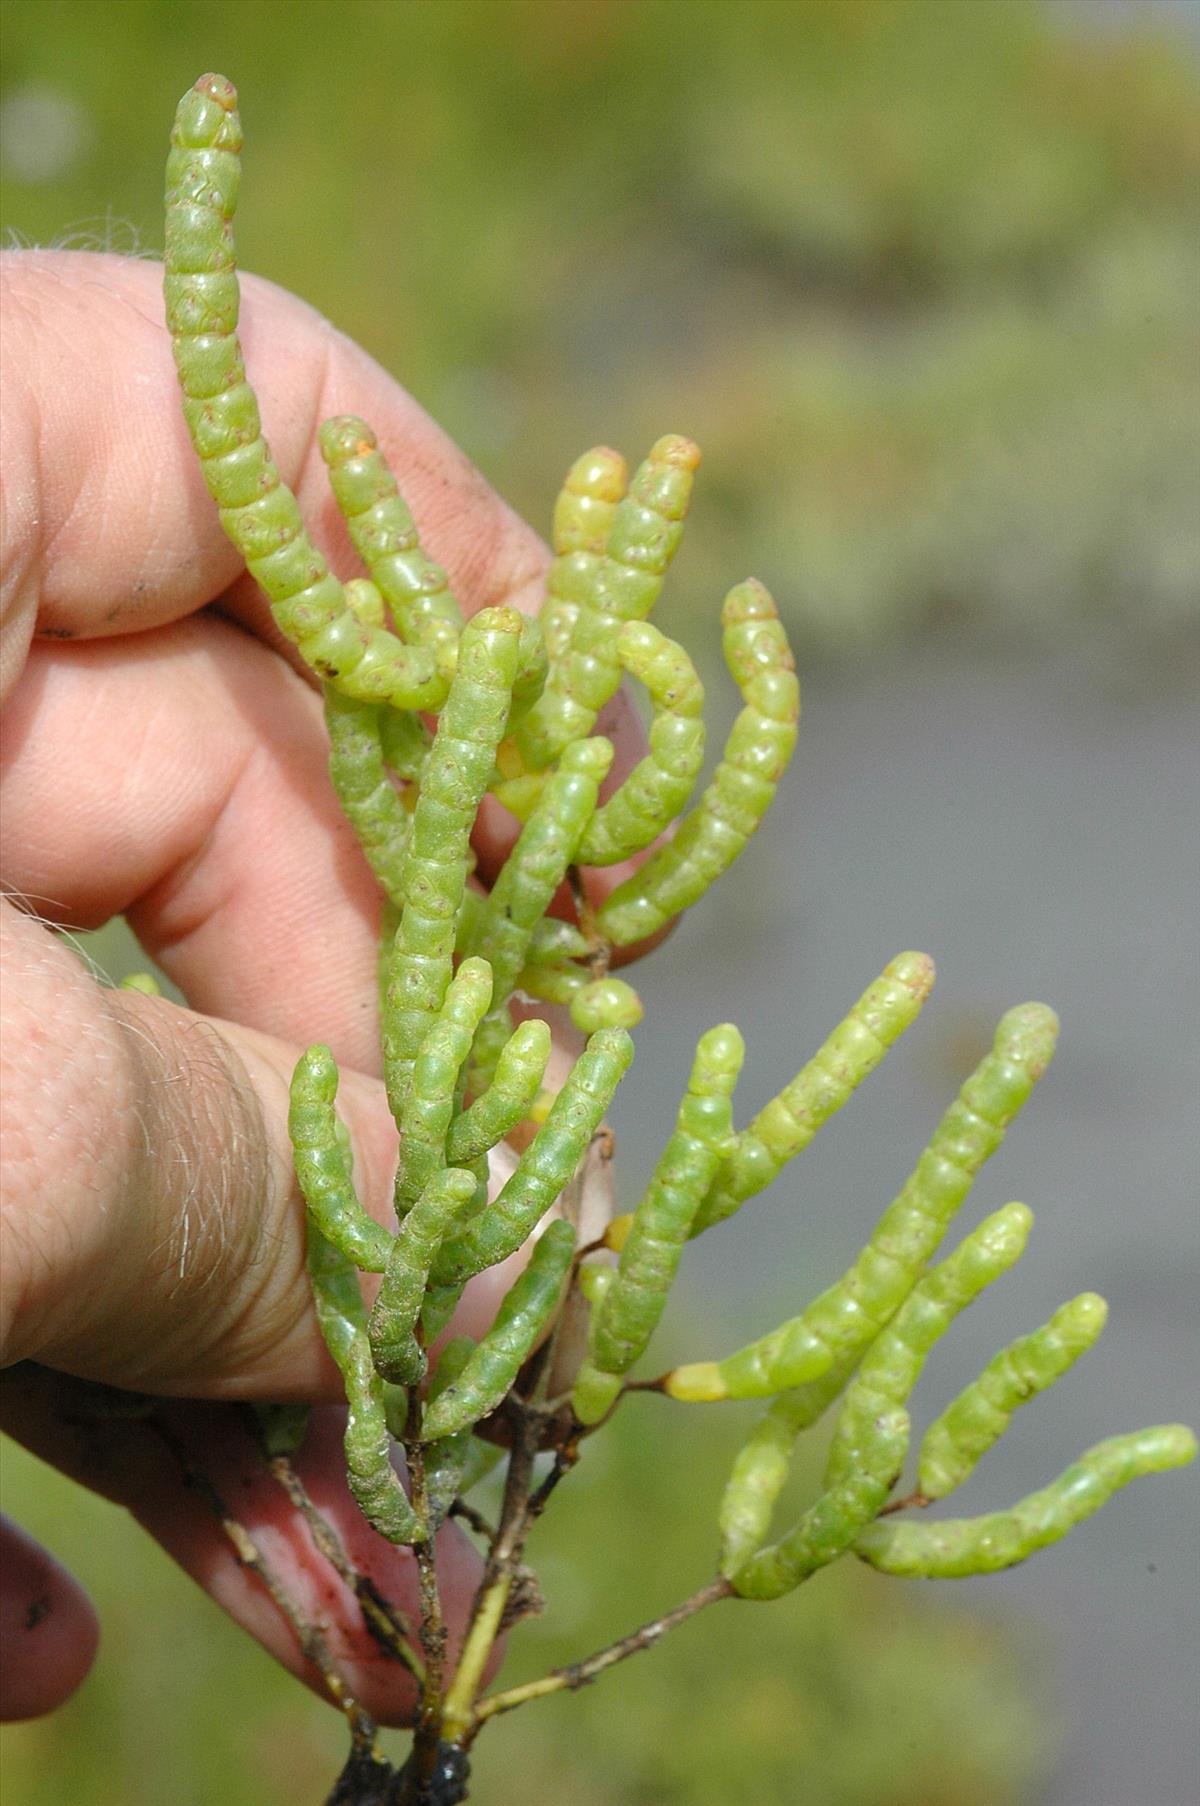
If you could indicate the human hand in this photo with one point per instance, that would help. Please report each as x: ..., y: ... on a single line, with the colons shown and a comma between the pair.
x: 164, y: 758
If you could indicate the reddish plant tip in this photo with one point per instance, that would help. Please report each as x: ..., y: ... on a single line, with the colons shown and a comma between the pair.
x: 920, y: 973
x: 674, y: 449
x: 345, y: 436
x: 218, y: 88
x: 600, y: 473
x: 749, y: 600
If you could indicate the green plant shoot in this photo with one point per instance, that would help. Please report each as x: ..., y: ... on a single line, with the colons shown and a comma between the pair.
x: 515, y: 701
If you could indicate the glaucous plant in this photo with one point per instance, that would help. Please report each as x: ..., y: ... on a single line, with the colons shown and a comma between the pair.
x: 427, y: 714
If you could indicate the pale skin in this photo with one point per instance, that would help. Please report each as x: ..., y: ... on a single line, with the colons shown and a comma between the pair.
x: 164, y: 757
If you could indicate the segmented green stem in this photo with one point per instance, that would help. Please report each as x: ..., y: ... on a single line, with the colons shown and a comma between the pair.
x: 957, y: 1547
x: 975, y: 1421
x: 821, y: 1346
x: 374, y: 1483
x: 631, y: 1310
x: 405, y: 742
x: 829, y: 1527
x: 258, y: 510
x: 606, y: 1002
x: 594, y: 1003
x: 397, y: 1354
x: 528, y: 882
x: 323, y: 1164
x: 430, y: 1104
x: 369, y: 800
x: 756, y: 755
x: 757, y: 1478
x: 583, y: 516
x: 457, y: 771
x: 892, y: 1365
x: 488, y: 1374
x: 453, y: 1464
x: 785, y: 1126
x: 559, y: 984
x: 546, y: 1166
x: 384, y: 535
x: 520, y: 1068
x: 657, y: 788
x: 533, y: 668
x: 553, y: 940
x: 644, y: 532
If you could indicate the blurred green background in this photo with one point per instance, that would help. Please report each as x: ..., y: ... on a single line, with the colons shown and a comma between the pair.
x: 921, y: 277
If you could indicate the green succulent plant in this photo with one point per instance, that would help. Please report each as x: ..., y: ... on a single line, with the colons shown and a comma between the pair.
x: 514, y: 705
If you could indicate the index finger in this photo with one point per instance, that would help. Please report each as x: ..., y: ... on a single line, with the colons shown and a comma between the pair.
x: 108, y: 526
x: 109, y: 530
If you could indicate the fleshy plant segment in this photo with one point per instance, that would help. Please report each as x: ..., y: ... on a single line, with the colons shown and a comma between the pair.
x: 427, y: 714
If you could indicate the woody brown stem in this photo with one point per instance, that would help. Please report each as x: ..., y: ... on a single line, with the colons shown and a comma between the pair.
x: 312, y: 1644
x: 427, y: 1737
x: 578, y: 1674
x: 474, y: 1520
x: 386, y: 1623
x: 912, y: 1499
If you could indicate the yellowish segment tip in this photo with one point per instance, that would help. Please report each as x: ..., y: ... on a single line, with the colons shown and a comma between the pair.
x: 520, y: 794
x: 698, y: 1383
x: 617, y: 1233
x: 509, y: 762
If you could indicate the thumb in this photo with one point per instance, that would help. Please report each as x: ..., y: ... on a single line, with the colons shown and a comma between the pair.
x: 154, y: 1232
